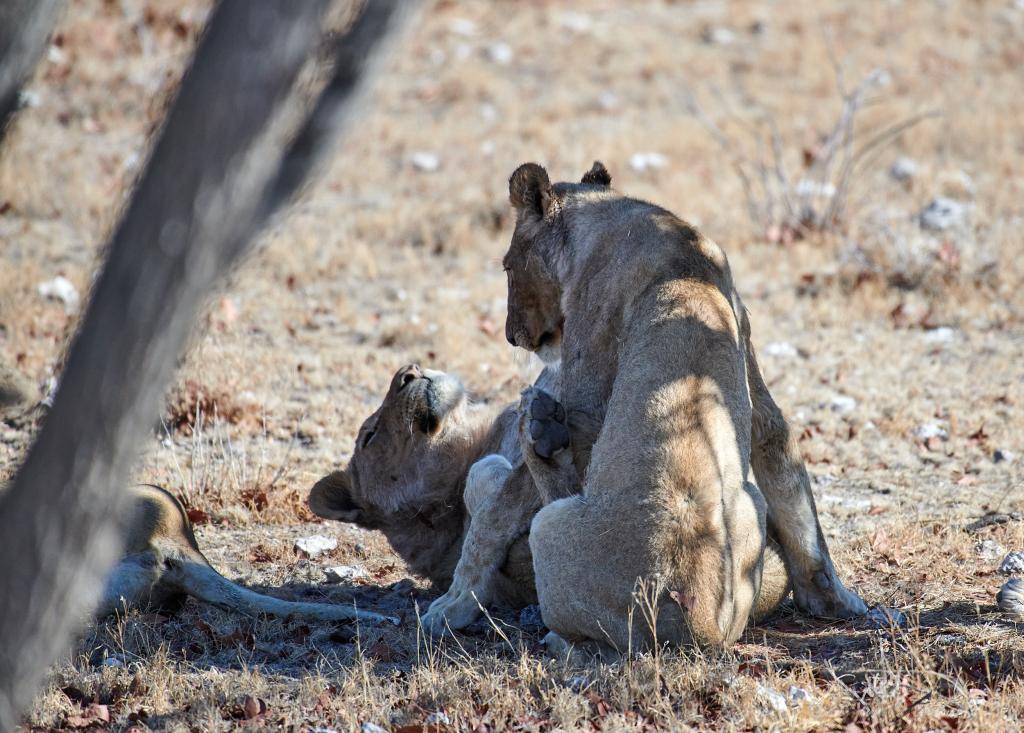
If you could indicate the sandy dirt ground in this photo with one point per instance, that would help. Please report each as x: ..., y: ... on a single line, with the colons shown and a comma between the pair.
x: 894, y: 348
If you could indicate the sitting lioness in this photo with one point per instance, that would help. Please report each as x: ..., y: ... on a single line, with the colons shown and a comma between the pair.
x: 667, y: 411
x: 162, y: 564
x: 449, y: 483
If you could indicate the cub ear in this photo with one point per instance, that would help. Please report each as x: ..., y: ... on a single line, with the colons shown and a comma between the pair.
x: 598, y: 175
x: 331, y: 498
x: 529, y: 190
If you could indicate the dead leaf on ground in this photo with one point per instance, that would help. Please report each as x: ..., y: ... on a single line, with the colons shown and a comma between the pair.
x: 94, y: 714
x: 197, y: 516
x: 253, y: 707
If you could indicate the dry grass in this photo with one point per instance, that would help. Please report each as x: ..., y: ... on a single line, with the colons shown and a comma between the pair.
x: 382, y: 264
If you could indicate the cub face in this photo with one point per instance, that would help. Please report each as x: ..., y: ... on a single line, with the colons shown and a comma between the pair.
x: 535, y: 319
x: 394, y: 449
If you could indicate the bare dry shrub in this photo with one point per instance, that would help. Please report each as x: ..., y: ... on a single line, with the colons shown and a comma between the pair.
x: 788, y: 202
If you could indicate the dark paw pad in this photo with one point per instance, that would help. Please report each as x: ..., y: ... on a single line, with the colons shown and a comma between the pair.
x: 547, y: 425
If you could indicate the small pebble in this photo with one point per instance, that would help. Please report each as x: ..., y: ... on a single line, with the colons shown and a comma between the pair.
x: 424, y: 161
x: 1012, y: 564
x: 940, y: 335
x: 718, y: 36
x: 772, y: 699
x: 641, y: 162
x: 989, y: 550
x: 930, y: 430
x: 799, y: 695
x: 60, y: 288
x: 500, y: 53
x: 315, y: 545
x: 575, y: 22
x: 462, y: 27
x: 942, y: 213
x: 578, y: 683
x: 340, y: 573
x: 903, y: 169
x: 842, y: 403
x: 781, y: 350
x: 1010, y: 597
x: 1001, y: 455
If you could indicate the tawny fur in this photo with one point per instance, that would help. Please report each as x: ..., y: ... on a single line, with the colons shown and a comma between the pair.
x: 667, y: 411
x: 464, y: 522
x: 410, y: 477
x: 162, y: 564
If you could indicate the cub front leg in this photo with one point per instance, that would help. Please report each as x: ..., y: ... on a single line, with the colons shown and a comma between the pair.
x: 500, y: 501
x: 545, y: 442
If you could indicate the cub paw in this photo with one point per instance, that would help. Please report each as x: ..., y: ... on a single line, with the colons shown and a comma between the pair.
x: 542, y: 423
x: 455, y: 610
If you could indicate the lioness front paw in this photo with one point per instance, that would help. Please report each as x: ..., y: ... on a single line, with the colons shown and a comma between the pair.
x: 826, y: 597
x: 455, y: 610
x: 542, y: 424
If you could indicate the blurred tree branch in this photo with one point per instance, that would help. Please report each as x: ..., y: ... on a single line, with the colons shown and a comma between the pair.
x: 216, y: 174
x: 24, y: 27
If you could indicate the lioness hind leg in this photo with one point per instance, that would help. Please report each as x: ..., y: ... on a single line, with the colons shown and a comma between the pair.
x: 500, y: 501
x: 585, y: 592
x: 779, y: 469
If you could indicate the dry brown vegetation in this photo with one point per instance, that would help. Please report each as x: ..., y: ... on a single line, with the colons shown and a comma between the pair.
x: 871, y: 328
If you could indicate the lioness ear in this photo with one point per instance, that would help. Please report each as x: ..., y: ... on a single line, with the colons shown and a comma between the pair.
x: 529, y: 190
x: 331, y: 498
x: 598, y: 175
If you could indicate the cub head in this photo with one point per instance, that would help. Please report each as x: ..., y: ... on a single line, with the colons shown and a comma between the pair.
x: 534, y: 320
x: 405, y: 440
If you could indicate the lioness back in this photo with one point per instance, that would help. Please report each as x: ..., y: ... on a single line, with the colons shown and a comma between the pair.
x: 665, y: 370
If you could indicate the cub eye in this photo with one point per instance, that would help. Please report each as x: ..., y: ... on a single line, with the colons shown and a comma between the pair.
x: 367, y: 437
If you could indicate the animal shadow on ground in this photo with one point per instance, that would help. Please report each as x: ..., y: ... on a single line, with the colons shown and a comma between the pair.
x: 208, y: 638
x: 962, y: 639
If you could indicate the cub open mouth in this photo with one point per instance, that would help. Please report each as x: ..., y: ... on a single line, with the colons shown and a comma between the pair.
x: 427, y: 416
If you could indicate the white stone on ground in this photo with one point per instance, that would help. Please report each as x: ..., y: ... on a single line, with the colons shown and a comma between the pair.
x: 842, y: 403
x: 903, y: 168
x: 425, y: 161
x: 942, y: 213
x: 1012, y: 564
x: 989, y: 549
x: 780, y: 349
x: 927, y: 430
x: 60, y: 288
x: 315, y: 545
x: 641, y: 162
x: 772, y: 699
x: 340, y: 573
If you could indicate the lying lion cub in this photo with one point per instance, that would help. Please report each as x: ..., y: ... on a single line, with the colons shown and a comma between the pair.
x: 162, y: 564
x: 667, y: 412
x: 449, y: 484
x: 416, y: 475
